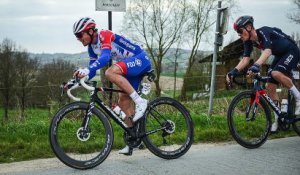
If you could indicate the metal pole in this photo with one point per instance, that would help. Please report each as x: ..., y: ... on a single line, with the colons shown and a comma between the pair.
x: 215, y: 56
x: 110, y: 62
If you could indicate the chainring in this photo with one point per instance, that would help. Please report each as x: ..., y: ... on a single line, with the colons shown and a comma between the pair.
x: 283, y: 125
x: 133, y: 142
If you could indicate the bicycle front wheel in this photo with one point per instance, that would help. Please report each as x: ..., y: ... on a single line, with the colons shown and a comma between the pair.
x: 78, y: 147
x: 296, y: 126
x: 168, y: 127
x: 249, y: 124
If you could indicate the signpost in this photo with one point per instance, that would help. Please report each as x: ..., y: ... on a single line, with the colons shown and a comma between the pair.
x: 110, y: 5
x: 221, y: 29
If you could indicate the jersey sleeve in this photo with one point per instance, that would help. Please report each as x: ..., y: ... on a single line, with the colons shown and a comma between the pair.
x: 99, y: 63
x: 248, y: 47
x: 106, y: 38
x: 264, y: 32
x: 92, y: 55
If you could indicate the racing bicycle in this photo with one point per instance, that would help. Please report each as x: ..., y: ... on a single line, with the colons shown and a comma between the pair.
x: 81, y: 133
x: 249, y: 115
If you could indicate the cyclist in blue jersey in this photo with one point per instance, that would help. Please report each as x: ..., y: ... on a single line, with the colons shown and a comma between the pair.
x: 272, y: 41
x: 131, y: 63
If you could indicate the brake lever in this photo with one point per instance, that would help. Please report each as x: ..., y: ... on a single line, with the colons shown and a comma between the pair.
x: 62, y: 88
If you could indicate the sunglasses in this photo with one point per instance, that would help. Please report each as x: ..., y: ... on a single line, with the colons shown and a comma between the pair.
x: 239, y: 31
x: 79, y: 35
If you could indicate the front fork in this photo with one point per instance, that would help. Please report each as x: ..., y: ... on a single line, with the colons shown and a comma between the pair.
x: 252, y: 107
x: 84, y: 132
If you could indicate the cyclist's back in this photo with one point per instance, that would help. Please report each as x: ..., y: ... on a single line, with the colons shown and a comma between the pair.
x: 120, y: 46
x: 271, y: 38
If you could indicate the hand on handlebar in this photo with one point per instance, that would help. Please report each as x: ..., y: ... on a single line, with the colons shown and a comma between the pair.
x: 233, y: 73
x: 82, y: 72
x: 253, y: 70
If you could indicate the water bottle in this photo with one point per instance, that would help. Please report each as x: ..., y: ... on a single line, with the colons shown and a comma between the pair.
x: 119, y: 112
x: 146, y: 88
x: 284, y: 105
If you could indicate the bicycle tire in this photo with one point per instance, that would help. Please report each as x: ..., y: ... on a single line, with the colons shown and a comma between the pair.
x: 74, y: 151
x: 164, y: 111
x: 249, y: 133
x: 296, y: 127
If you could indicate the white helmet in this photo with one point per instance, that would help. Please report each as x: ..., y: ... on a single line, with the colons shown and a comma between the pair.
x: 83, y: 24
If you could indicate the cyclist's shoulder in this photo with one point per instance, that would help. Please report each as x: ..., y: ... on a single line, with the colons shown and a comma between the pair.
x: 266, y: 29
x: 106, y: 35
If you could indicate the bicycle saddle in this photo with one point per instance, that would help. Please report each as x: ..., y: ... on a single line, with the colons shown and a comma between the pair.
x: 150, y: 75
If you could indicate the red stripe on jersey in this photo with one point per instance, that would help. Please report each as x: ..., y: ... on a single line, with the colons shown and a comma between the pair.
x: 123, y: 67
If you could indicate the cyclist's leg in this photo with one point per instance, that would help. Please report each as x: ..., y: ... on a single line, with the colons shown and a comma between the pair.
x: 282, y: 71
x: 126, y: 104
x: 271, y: 87
x: 133, y: 69
x: 274, y: 96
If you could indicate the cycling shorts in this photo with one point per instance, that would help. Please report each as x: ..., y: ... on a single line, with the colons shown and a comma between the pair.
x: 285, y: 63
x: 134, y: 67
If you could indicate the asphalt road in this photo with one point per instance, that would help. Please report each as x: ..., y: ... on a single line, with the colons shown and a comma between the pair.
x: 275, y: 157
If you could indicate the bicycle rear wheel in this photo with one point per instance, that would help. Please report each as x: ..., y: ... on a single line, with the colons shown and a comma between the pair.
x: 169, y: 127
x: 296, y: 127
x: 76, y: 147
x: 249, y: 130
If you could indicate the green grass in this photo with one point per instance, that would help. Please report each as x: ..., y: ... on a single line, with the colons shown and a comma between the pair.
x: 28, y: 139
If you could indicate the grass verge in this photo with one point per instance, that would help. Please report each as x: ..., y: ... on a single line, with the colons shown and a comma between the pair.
x: 28, y: 139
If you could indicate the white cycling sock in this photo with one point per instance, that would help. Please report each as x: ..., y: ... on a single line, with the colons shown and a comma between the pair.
x: 136, y: 98
x: 295, y: 92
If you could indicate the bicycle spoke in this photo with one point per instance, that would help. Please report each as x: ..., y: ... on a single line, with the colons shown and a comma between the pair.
x: 169, y: 128
x: 249, y: 124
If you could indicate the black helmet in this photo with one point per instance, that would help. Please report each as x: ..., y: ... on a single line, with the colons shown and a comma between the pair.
x: 242, y: 22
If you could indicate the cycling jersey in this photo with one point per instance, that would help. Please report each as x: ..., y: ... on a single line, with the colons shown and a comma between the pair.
x: 285, y: 50
x: 269, y: 38
x: 130, y: 57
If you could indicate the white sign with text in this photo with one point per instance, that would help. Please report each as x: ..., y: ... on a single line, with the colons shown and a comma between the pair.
x: 111, y: 5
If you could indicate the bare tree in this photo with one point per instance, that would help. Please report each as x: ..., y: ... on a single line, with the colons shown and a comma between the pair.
x: 50, y: 77
x: 156, y: 24
x: 26, y: 69
x: 7, y: 74
x: 202, y: 15
x: 296, y: 37
x: 295, y: 16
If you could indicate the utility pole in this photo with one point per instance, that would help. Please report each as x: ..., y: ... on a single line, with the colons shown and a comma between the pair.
x: 110, y: 5
x: 218, y: 42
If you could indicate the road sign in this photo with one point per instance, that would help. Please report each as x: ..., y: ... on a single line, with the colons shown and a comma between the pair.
x: 111, y: 5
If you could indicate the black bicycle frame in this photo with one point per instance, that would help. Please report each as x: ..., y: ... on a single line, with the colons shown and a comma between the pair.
x: 95, y: 99
x: 259, y: 91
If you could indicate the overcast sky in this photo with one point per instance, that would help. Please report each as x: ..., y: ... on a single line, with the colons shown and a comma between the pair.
x: 46, y: 25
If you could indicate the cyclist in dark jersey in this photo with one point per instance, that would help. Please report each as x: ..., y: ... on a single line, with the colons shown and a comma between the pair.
x: 131, y: 63
x: 273, y: 42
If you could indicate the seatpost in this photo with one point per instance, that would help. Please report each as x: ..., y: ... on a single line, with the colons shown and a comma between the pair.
x: 290, y: 107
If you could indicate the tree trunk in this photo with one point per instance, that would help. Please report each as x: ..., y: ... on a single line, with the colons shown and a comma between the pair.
x: 157, y: 88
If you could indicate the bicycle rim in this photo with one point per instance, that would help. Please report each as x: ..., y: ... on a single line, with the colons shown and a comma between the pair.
x: 77, y: 150
x: 251, y: 131
x: 296, y: 127
x: 177, y: 137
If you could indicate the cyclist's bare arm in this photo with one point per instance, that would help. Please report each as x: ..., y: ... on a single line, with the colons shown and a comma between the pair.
x: 243, y: 63
x: 264, y: 56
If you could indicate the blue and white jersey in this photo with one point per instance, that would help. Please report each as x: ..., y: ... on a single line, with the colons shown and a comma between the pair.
x: 120, y: 47
x: 130, y: 57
